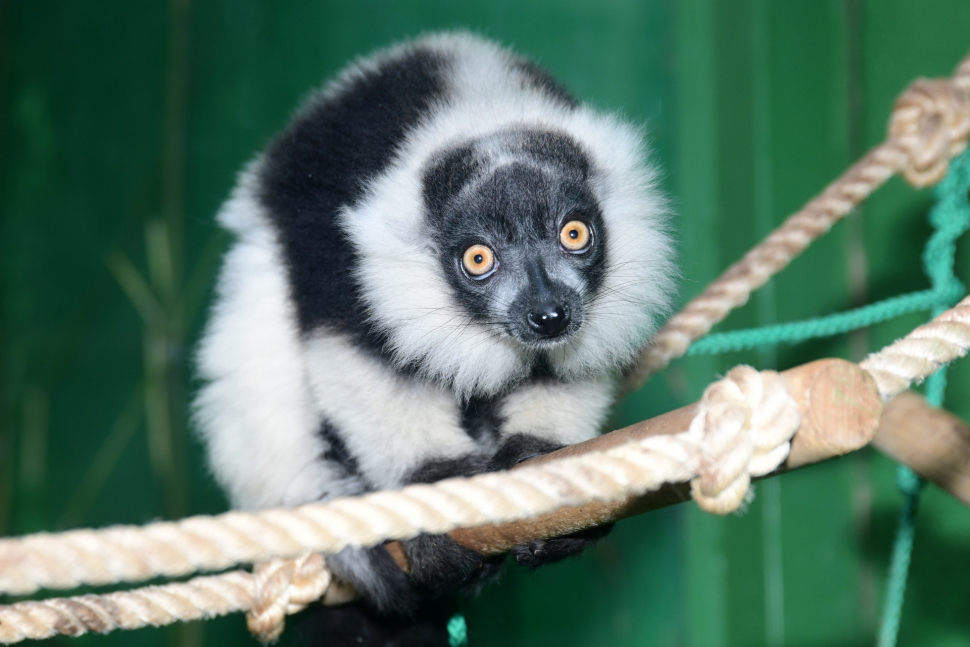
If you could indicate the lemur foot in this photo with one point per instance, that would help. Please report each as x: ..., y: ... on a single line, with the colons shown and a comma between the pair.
x: 548, y: 551
x: 358, y: 624
x: 519, y: 448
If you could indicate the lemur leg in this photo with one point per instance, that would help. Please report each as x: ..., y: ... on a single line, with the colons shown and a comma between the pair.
x: 362, y: 626
x: 438, y: 563
x: 516, y: 449
x: 392, y: 431
x: 540, y: 418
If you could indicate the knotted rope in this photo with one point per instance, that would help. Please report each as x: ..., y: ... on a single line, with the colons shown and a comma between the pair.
x: 275, y: 589
x: 930, y: 124
x: 284, y: 587
x: 744, y: 426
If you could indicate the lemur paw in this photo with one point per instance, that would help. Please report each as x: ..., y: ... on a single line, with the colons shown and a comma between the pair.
x: 439, y: 563
x: 548, y: 551
x: 518, y: 448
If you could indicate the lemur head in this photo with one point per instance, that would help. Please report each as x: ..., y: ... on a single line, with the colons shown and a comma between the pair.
x: 523, y: 249
x: 519, y: 234
x: 514, y: 232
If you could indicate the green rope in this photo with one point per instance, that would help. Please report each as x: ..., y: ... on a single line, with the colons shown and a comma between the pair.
x: 457, y: 631
x: 950, y: 218
x: 799, y: 331
x: 911, y: 485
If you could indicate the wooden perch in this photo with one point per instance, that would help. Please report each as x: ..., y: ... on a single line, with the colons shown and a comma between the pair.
x: 841, y: 412
x: 932, y: 442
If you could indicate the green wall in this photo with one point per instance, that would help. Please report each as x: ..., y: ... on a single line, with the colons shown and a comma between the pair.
x: 122, y: 125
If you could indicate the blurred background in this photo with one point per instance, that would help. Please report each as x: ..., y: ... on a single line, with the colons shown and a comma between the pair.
x: 122, y: 125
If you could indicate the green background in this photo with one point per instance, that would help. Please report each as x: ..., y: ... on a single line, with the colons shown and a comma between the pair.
x: 123, y: 123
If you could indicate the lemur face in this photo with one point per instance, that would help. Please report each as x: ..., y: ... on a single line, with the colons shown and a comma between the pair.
x: 519, y: 233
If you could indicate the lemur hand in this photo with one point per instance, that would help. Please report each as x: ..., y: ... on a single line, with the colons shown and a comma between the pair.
x: 519, y: 448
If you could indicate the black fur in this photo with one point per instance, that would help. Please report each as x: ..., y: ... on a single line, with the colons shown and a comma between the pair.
x: 548, y: 551
x: 439, y: 469
x: 439, y: 563
x: 323, y: 162
x: 378, y: 578
x: 337, y: 451
x: 359, y: 625
x: 540, y: 79
x: 480, y: 418
x: 518, y: 448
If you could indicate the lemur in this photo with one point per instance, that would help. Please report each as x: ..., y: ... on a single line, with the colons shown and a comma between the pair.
x: 438, y: 268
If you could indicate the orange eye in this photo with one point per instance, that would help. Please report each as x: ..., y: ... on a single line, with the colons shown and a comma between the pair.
x: 478, y: 261
x: 575, y: 237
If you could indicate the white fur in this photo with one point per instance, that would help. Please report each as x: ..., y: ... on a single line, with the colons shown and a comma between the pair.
x: 390, y: 424
x: 256, y: 412
x: 561, y: 412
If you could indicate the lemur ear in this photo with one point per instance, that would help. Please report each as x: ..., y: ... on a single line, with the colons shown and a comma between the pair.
x: 447, y: 175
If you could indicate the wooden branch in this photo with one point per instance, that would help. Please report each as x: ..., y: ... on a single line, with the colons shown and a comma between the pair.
x: 933, y: 442
x: 841, y: 412
x: 840, y: 409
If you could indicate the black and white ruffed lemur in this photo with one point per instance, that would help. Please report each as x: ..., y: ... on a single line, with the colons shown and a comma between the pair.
x: 438, y: 268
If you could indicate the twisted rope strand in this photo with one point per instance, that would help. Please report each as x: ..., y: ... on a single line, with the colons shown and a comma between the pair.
x: 930, y: 124
x: 171, y: 549
x: 199, y: 598
x: 922, y: 352
x: 743, y: 426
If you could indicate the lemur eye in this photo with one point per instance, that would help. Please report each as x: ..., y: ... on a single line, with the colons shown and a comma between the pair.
x: 478, y: 261
x: 575, y: 237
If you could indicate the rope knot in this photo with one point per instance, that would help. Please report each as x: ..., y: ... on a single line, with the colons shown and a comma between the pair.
x: 931, y: 122
x: 744, y: 425
x: 284, y: 587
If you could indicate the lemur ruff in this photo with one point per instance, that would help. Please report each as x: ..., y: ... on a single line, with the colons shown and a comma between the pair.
x: 437, y: 269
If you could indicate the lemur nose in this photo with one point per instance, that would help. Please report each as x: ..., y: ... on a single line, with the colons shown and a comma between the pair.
x: 549, y: 319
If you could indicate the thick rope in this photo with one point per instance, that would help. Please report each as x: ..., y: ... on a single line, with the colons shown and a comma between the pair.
x: 283, y: 587
x: 922, y: 352
x: 198, y: 599
x: 717, y: 455
x: 930, y: 124
x: 128, y: 553
x: 743, y: 426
